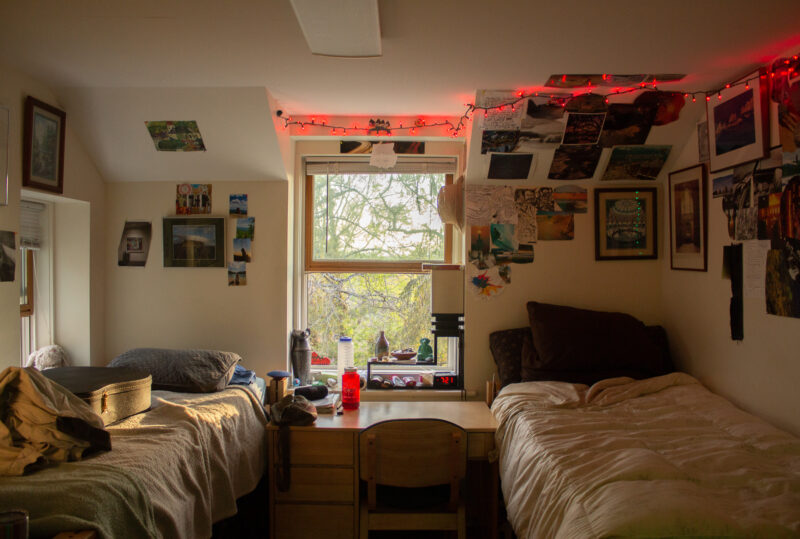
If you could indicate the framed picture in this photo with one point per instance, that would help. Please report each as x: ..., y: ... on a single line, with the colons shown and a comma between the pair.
x: 194, y: 242
x: 738, y: 123
x: 687, y: 219
x: 134, y: 245
x: 625, y: 223
x: 43, y: 146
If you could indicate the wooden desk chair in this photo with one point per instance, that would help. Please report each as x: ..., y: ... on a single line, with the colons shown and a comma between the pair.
x: 412, y: 453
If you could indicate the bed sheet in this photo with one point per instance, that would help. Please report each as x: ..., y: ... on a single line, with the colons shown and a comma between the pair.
x: 656, y: 457
x: 172, y: 471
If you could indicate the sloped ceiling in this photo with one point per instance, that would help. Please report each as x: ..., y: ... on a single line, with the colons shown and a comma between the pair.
x: 115, y: 64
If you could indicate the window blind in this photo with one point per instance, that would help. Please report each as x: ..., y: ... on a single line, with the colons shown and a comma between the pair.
x: 30, y: 224
x: 360, y: 165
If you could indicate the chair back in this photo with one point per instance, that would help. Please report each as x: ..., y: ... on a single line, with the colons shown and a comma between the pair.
x: 413, y: 453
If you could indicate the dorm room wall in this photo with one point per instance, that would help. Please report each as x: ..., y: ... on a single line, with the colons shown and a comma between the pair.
x: 82, y: 184
x: 759, y: 373
x: 154, y: 306
x: 566, y: 272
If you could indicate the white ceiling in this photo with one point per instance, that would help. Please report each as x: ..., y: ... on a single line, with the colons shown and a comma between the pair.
x: 115, y: 64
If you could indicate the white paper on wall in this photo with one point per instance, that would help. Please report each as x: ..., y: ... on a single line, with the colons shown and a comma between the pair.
x: 754, y: 268
x: 510, y: 118
x: 490, y: 204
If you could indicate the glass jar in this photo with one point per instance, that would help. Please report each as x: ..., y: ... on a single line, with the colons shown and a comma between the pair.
x: 351, y: 393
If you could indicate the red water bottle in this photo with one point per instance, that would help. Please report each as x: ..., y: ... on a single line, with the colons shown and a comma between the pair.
x: 351, y: 393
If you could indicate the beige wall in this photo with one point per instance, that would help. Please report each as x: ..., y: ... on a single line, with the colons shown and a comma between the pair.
x: 82, y: 182
x: 759, y: 373
x: 154, y: 306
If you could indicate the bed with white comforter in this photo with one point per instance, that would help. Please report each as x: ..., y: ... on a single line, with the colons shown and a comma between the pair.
x: 656, y: 457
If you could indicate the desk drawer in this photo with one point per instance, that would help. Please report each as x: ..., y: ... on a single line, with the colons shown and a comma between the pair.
x: 315, y: 447
x: 306, y: 521
x: 318, y: 484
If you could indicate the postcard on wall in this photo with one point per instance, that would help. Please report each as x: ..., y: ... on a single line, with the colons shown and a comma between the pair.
x: 516, y: 166
x: 242, y: 249
x: 246, y: 227
x: 544, y: 120
x: 499, y: 141
x: 782, y: 283
x: 490, y: 204
x: 507, y: 118
x: 176, y: 136
x: 665, y: 106
x: 571, y: 199
x: 583, y: 128
x: 626, y: 123
x: 575, y: 162
x: 524, y: 201
x: 134, y: 245
x: 555, y: 226
x: 503, y: 238
x: 8, y: 255
x: 237, y: 273
x: 636, y: 162
x: 586, y: 103
x: 193, y: 199
x: 238, y: 205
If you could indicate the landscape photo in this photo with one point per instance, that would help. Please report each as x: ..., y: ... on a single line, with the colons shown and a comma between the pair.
x: 575, y: 162
x: 636, y: 162
x: 735, y: 123
x: 194, y: 242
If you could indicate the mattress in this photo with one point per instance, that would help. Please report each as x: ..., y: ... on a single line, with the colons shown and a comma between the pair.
x: 656, y: 457
x: 172, y: 471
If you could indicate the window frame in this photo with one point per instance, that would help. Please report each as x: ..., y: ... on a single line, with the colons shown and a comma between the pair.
x: 360, y: 266
x: 27, y: 309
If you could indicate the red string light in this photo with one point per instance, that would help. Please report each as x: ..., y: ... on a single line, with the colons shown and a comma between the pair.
x: 558, y: 98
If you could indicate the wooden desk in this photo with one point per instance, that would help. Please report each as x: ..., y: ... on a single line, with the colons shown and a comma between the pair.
x: 323, y: 497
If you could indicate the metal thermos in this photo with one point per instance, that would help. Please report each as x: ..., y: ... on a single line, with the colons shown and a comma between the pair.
x: 301, y: 356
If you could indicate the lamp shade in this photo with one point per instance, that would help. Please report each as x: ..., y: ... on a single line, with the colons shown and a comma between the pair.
x: 447, y: 289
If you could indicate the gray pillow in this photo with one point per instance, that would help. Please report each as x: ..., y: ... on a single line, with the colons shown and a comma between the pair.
x: 189, y: 371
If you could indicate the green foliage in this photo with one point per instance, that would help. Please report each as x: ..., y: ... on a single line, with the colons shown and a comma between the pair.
x: 360, y: 305
x: 377, y: 217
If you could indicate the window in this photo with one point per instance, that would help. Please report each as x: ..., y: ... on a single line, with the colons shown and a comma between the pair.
x: 32, y: 295
x: 367, y: 234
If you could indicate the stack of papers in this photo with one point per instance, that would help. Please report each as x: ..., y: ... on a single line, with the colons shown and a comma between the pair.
x: 327, y: 405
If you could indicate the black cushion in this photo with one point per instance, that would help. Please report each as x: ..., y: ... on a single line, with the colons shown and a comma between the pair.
x: 586, y: 346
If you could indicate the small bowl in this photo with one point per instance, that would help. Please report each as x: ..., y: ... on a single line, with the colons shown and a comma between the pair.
x: 403, y: 356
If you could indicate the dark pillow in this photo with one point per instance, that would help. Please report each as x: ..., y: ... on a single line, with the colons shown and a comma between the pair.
x: 189, y: 371
x: 506, y: 348
x: 583, y: 346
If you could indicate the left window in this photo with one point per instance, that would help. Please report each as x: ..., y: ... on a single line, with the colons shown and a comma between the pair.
x: 32, y: 242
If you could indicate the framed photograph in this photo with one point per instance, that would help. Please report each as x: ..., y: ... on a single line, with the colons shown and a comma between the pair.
x: 194, y: 242
x: 134, y: 245
x: 738, y: 123
x: 43, y: 146
x: 687, y: 219
x: 625, y: 223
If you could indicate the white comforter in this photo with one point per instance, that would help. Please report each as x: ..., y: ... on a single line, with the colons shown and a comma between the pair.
x: 657, y: 457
